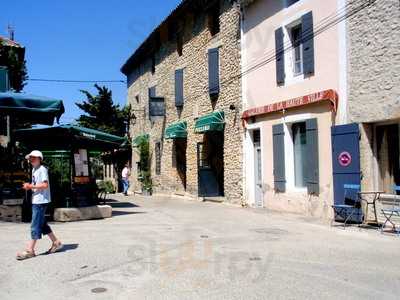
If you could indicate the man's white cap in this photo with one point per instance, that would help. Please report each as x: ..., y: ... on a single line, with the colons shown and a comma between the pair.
x: 35, y: 153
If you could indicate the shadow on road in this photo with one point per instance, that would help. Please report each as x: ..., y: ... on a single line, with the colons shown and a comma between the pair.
x: 121, y: 213
x: 121, y: 204
x: 65, y: 248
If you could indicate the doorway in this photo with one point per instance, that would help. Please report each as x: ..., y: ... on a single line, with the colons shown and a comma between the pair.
x: 180, y: 146
x: 388, y: 153
x: 258, y: 191
x: 210, y: 163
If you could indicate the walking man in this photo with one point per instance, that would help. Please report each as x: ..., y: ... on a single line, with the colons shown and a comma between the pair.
x: 125, y: 179
x: 40, y: 187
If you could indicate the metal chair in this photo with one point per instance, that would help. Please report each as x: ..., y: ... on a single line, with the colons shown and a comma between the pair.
x: 391, y: 209
x: 351, y: 206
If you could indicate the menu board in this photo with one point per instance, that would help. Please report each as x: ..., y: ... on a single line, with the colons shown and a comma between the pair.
x: 81, y: 163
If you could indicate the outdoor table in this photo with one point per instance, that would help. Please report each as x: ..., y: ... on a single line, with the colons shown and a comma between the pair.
x: 374, y: 196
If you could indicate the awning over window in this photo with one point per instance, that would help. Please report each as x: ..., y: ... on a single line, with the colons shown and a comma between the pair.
x: 211, y: 122
x: 35, y: 109
x: 140, y: 139
x: 176, y: 130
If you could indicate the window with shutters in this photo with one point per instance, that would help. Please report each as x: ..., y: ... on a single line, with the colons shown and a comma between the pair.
x: 294, y: 44
x: 300, y: 155
x: 158, y: 158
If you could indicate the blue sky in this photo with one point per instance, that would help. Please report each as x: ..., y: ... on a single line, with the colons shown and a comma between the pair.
x: 80, y: 40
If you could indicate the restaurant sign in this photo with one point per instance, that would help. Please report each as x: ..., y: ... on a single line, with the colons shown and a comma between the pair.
x: 327, y: 95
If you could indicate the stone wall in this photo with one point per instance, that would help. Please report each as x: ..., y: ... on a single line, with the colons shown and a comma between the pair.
x: 196, y: 42
x: 373, y: 36
x: 374, y: 62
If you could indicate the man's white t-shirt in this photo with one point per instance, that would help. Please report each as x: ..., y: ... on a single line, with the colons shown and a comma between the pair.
x: 40, y: 175
x: 125, y: 173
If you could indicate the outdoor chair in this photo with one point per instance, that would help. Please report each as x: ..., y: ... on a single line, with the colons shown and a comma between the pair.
x: 391, y: 209
x: 351, y: 207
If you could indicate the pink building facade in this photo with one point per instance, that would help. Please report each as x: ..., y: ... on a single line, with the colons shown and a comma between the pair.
x: 294, y: 89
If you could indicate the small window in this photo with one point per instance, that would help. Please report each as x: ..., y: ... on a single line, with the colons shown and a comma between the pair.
x: 295, y: 38
x: 137, y: 98
x: 213, y: 20
x: 179, y: 44
x: 158, y: 158
x: 153, y: 64
x: 300, y: 152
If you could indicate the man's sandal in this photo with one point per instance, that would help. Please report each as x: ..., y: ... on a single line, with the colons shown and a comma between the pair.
x: 55, y: 248
x: 25, y: 255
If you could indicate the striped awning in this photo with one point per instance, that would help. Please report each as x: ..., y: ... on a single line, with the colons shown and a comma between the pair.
x: 176, y: 130
x: 214, y: 121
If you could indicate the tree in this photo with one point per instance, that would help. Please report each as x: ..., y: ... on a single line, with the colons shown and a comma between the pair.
x: 13, y: 59
x: 102, y: 113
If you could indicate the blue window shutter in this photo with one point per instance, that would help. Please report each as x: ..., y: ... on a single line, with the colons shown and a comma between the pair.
x: 179, y: 88
x: 279, y: 56
x: 152, y: 92
x: 279, y: 157
x: 308, y: 43
x: 312, y: 156
x: 213, y: 71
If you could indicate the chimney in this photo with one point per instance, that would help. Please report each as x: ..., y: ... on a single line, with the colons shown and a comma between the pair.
x: 10, y: 32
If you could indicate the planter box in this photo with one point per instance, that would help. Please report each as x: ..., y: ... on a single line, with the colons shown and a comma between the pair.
x: 82, y: 213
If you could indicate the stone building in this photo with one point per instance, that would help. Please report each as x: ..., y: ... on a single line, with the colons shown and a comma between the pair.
x: 373, y: 40
x: 185, y: 92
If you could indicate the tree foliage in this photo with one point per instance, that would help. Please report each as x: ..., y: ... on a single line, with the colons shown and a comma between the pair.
x: 13, y: 59
x: 102, y: 114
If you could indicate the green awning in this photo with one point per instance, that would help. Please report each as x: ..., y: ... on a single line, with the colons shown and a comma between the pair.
x: 214, y: 121
x: 68, y: 135
x: 176, y: 130
x: 140, y: 139
x: 34, y: 109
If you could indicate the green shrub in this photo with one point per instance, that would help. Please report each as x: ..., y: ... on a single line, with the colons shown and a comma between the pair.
x: 107, y: 186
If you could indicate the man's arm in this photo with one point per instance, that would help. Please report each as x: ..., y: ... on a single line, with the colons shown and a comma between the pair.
x: 40, y: 186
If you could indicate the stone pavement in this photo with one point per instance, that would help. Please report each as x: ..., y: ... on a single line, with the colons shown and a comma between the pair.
x: 163, y: 248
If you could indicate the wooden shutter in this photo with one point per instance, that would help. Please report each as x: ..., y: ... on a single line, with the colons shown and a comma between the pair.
x: 179, y: 88
x: 279, y: 157
x: 308, y: 43
x: 152, y: 92
x: 213, y: 71
x: 279, y: 56
x: 312, y: 156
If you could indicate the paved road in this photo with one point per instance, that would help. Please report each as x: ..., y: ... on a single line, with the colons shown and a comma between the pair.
x: 159, y: 248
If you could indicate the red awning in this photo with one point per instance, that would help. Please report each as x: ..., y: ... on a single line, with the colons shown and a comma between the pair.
x: 327, y: 95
